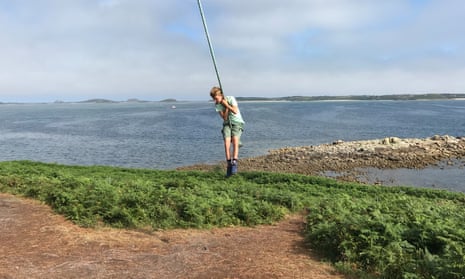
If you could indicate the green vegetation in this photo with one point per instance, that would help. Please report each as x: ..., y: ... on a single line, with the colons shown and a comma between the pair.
x: 367, y: 231
x: 98, y: 101
x: 396, y: 97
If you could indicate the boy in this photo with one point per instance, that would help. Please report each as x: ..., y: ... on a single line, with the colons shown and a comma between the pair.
x: 233, y: 124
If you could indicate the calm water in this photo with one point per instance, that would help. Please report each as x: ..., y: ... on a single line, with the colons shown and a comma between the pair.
x: 153, y: 135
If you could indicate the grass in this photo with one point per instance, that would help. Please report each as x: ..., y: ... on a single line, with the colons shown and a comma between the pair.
x: 366, y: 231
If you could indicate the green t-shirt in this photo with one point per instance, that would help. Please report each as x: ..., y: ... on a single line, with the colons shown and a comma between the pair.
x: 234, y: 118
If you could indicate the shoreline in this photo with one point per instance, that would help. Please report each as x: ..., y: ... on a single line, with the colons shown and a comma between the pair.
x: 349, y: 159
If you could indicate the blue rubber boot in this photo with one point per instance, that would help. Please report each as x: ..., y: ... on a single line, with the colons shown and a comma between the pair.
x: 229, y: 169
x: 233, y: 167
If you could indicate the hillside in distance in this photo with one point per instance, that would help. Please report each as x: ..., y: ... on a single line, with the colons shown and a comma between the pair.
x: 400, y: 97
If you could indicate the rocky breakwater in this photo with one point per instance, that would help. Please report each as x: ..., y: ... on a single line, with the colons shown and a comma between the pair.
x: 348, y: 158
x: 341, y: 156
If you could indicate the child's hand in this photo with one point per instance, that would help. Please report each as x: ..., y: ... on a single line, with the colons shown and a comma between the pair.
x: 224, y: 102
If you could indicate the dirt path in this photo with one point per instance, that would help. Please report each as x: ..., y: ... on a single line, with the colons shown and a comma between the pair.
x: 36, y: 243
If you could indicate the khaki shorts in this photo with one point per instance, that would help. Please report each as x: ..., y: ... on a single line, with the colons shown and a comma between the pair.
x: 232, y: 130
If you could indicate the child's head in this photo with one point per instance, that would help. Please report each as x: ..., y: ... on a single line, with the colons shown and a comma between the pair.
x: 216, y: 94
x: 215, y: 91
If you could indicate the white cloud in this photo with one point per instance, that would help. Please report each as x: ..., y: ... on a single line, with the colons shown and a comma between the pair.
x: 121, y: 49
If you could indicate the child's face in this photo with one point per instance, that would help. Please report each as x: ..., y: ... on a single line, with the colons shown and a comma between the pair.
x: 218, y: 98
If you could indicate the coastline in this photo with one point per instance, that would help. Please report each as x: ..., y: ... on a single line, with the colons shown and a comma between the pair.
x: 347, y: 160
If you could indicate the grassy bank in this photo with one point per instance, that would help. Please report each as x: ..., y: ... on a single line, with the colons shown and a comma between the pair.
x: 367, y: 231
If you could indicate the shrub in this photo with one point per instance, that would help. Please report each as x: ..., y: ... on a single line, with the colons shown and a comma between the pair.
x: 367, y: 231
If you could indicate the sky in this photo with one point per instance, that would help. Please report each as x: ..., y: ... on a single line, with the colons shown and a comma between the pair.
x: 73, y: 50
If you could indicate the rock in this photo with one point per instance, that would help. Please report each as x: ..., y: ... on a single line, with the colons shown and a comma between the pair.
x: 391, y: 140
x: 340, y: 156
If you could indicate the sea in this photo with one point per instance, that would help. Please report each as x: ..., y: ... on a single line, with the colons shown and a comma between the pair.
x: 167, y: 135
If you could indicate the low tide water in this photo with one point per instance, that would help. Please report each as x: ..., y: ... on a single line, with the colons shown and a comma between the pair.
x: 446, y: 175
x: 159, y: 135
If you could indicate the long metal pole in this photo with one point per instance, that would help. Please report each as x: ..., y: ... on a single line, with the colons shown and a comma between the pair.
x: 212, y: 53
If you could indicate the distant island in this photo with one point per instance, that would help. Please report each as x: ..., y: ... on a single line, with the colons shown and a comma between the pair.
x: 168, y: 100
x: 132, y: 100
x: 401, y: 97
x: 99, y: 101
x: 393, y: 97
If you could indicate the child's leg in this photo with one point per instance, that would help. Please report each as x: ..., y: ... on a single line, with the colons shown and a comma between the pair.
x: 227, y: 148
x: 235, y: 146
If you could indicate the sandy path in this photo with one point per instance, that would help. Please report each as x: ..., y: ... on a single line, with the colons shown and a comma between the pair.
x: 36, y: 243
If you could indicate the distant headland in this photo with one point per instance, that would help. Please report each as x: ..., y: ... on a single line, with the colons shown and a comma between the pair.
x: 393, y: 97
x: 400, y: 97
x: 127, y: 101
x: 101, y: 101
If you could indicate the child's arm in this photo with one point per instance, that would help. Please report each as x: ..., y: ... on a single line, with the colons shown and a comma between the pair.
x: 224, y: 114
x: 229, y: 107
